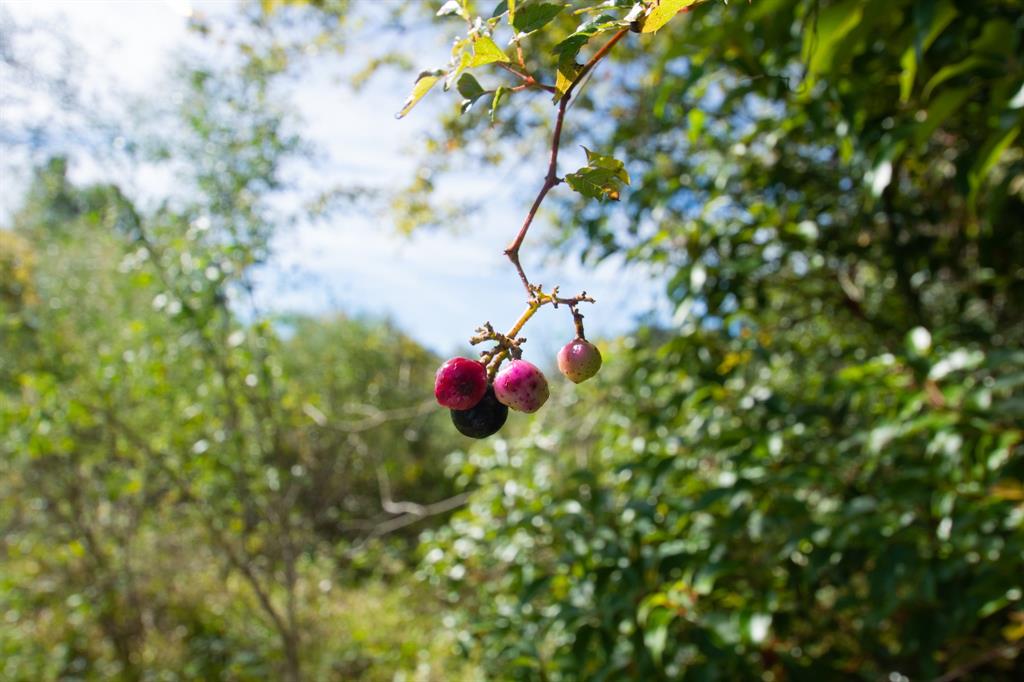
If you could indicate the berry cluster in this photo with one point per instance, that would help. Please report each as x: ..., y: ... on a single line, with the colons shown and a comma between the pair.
x: 479, y: 404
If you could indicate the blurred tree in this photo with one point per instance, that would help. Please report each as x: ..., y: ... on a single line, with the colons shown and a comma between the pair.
x: 188, y: 477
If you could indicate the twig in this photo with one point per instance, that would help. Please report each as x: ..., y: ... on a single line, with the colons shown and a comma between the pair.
x: 528, y: 80
x: 1008, y: 651
x: 508, y: 344
x: 538, y: 299
x: 552, y: 179
x: 375, y: 417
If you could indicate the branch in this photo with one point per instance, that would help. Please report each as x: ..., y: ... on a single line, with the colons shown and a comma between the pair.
x: 375, y: 417
x: 551, y: 179
x: 425, y: 511
x: 1008, y: 651
x: 414, y: 513
x: 216, y: 533
x: 528, y: 80
x: 389, y: 504
x: 538, y: 299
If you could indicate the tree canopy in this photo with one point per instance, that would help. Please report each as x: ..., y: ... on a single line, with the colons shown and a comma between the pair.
x: 810, y: 467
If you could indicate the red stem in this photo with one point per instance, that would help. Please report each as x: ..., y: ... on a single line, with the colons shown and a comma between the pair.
x: 551, y: 179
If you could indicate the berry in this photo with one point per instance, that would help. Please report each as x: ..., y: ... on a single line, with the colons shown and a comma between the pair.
x: 521, y: 386
x: 579, y: 360
x: 483, y: 419
x: 460, y: 383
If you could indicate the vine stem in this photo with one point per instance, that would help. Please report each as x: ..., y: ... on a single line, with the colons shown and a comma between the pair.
x: 536, y: 297
x: 552, y: 179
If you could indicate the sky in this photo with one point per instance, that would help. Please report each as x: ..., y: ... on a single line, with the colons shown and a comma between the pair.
x: 438, y: 285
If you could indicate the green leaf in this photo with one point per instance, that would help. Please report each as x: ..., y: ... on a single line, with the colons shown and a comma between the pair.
x: 486, y: 51
x: 663, y: 13
x: 571, y: 46
x: 601, y: 178
x: 656, y: 632
x: 424, y: 82
x: 566, y: 74
x: 827, y: 33
x: 990, y: 49
x: 987, y: 158
x: 596, y: 183
x: 532, y: 16
x: 499, y: 94
x: 695, y: 124
x: 471, y: 90
x: 469, y: 87
x: 931, y: 19
x: 939, y: 110
x: 953, y: 70
x: 608, y: 163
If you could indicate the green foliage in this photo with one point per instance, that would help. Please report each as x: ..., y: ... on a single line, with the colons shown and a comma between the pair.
x: 814, y: 471
x: 810, y: 469
x: 190, y: 483
x: 601, y: 178
x: 155, y: 447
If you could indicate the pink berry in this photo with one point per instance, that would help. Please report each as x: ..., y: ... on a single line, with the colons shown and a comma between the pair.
x: 460, y: 383
x: 521, y: 386
x: 579, y: 360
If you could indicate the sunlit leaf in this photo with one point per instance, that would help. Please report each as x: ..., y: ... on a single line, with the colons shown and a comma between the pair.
x: 663, y: 13
x: 824, y: 36
x: 602, y: 178
x: 424, y: 83
x: 486, y: 51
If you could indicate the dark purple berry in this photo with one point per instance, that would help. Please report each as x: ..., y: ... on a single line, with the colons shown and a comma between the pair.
x: 483, y: 419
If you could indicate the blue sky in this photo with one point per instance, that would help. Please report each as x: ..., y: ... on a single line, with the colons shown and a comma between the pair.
x: 437, y: 285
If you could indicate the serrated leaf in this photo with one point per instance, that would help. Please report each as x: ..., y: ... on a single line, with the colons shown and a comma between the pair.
x: 596, y: 183
x: 663, y: 13
x: 424, y: 82
x: 532, y: 16
x: 609, y: 163
x: 601, y: 178
x: 486, y: 51
x: 572, y: 45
